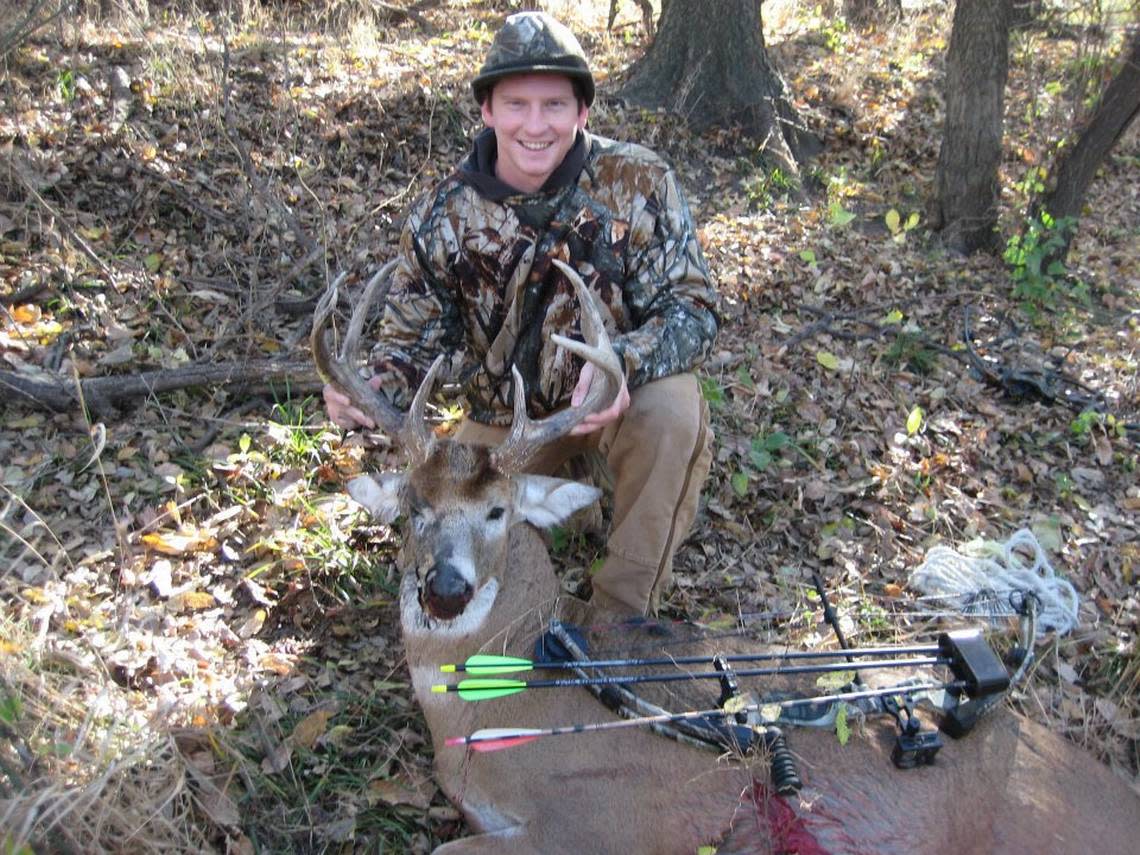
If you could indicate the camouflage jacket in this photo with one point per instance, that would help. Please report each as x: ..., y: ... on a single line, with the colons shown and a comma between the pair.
x: 475, y: 280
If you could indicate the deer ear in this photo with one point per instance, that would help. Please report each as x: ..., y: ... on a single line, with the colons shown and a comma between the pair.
x: 381, y: 496
x: 543, y: 501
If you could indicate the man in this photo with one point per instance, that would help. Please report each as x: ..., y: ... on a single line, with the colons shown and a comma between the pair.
x: 475, y: 280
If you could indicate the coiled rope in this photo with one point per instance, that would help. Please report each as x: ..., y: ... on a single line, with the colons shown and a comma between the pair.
x: 994, y: 579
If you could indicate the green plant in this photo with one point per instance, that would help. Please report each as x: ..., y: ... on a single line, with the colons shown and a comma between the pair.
x: 712, y: 392
x: 909, y: 349
x: 65, y: 85
x: 765, y: 187
x: 835, y: 34
x: 1035, y: 263
x: 298, y: 442
x: 837, y: 216
x: 896, y: 227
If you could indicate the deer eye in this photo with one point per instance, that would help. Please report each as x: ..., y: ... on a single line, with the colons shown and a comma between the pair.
x: 495, y: 514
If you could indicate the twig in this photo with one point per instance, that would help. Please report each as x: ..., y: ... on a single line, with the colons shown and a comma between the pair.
x: 23, y: 295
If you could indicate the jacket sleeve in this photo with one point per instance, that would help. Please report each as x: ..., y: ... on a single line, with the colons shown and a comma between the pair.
x: 420, y: 319
x: 668, y: 291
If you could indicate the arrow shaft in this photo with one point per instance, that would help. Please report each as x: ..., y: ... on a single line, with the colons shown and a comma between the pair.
x: 665, y: 718
x: 791, y: 655
x: 471, y: 689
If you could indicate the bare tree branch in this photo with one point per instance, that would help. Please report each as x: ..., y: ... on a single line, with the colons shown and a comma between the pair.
x: 102, y: 394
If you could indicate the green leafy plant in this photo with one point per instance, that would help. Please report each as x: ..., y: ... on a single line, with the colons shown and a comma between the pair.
x: 896, y: 227
x: 835, y: 34
x: 909, y: 349
x: 1037, y: 270
x: 712, y: 392
x: 767, y: 186
x: 838, y: 216
x: 65, y: 85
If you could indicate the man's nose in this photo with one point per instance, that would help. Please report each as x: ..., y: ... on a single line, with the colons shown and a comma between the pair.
x: 535, y: 120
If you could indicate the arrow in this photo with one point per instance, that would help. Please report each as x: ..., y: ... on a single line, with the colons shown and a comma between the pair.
x: 498, y: 738
x: 484, y: 689
x: 483, y: 663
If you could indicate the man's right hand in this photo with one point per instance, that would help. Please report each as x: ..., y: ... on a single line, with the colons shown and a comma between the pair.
x: 342, y: 412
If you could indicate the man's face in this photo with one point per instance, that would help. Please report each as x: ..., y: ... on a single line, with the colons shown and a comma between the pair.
x: 535, y: 118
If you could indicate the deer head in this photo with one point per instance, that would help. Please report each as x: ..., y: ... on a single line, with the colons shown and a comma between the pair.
x: 462, y: 501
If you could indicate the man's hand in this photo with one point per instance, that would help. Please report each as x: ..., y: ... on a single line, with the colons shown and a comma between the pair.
x: 599, y: 420
x: 342, y: 412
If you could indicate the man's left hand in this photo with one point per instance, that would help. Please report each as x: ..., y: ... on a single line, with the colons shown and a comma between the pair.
x: 598, y: 420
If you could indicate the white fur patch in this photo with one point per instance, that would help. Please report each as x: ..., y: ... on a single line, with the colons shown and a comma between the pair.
x: 544, y: 501
x: 379, y: 494
x: 418, y: 622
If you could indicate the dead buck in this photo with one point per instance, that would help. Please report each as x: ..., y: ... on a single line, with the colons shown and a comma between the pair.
x: 477, y: 578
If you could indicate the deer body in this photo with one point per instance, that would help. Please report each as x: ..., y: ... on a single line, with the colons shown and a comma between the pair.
x: 1010, y: 786
x: 477, y: 578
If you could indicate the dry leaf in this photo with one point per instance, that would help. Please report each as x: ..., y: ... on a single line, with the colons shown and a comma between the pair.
x: 278, y: 663
x: 181, y: 542
x: 193, y: 601
x: 278, y: 759
x: 311, y: 728
x: 397, y: 791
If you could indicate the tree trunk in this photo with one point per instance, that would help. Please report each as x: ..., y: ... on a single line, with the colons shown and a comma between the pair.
x: 965, y: 209
x: 713, y: 69
x: 1078, y: 164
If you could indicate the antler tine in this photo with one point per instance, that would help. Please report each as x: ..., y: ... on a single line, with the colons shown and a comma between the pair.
x: 416, y: 438
x: 527, y: 436
x: 338, y: 369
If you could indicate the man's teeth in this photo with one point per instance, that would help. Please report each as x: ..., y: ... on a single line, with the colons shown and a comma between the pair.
x: 533, y: 146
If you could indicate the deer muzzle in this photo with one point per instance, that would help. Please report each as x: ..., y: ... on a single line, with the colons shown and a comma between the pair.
x: 445, y: 593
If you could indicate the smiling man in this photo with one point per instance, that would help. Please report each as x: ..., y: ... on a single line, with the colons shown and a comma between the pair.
x: 475, y: 280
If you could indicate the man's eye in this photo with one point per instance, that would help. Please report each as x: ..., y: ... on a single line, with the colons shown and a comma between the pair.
x: 495, y: 514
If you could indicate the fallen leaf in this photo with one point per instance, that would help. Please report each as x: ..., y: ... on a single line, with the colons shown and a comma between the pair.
x: 193, y: 601
x: 397, y: 791
x: 278, y: 759
x: 828, y: 360
x: 180, y: 542
x: 311, y: 728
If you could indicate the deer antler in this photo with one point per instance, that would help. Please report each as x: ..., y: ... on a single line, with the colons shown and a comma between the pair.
x: 340, y: 369
x: 527, y: 436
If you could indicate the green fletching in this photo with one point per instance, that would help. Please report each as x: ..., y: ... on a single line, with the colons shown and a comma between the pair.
x: 483, y: 690
x: 482, y: 663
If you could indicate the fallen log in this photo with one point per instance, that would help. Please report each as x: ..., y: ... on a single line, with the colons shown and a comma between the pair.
x: 102, y: 395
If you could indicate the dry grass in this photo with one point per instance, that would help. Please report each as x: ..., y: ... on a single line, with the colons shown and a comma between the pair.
x: 86, y: 769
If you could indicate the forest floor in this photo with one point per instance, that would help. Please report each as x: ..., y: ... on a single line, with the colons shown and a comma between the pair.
x: 197, y: 651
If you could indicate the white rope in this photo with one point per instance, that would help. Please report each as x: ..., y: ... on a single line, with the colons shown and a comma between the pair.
x: 993, y: 579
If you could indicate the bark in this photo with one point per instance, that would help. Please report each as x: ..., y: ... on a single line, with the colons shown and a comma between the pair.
x: 1078, y: 164
x: 714, y: 69
x: 965, y: 208
x: 103, y: 394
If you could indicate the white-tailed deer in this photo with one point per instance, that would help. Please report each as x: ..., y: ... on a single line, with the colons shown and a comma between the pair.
x: 477, y: 578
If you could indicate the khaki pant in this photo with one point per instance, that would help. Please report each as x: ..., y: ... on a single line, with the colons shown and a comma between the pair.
x: 659, y: 452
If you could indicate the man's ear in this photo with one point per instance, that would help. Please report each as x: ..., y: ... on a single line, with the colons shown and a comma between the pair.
x: 380, y: 495
x: 543, y: 501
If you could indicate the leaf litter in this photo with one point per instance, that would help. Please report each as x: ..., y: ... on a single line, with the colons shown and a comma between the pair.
x: 195, y: 617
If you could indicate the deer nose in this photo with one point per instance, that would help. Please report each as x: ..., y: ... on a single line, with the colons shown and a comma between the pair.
x: 447, y: 592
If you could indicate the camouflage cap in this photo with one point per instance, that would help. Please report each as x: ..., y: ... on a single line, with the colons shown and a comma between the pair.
x: 534, y: 41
